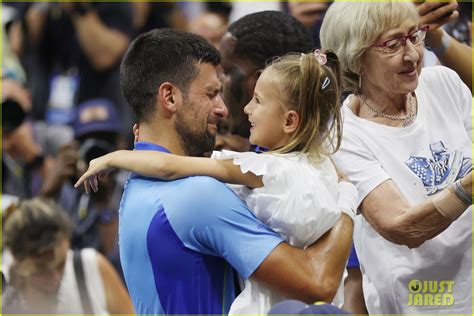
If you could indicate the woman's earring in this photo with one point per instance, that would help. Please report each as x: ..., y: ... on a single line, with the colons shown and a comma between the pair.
x: 360, y: 82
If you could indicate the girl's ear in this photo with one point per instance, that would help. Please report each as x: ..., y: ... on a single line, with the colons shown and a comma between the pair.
x: 292, y: 121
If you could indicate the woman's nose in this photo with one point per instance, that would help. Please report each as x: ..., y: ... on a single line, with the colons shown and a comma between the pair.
x: 410, y: 52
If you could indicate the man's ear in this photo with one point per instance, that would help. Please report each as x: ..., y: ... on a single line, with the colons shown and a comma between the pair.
x: 292, y: 121
x: 169, y: 97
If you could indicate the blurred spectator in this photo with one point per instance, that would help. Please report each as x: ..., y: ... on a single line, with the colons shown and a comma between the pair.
x: 450, y: 52
x: 311, y: 14
x: 12, y: 90
x: 209, y: 25
x: 23, y: 162
x: 241, y: 9
x: 222, y: 8
x: 16, y: 108
x: 191, y: 9
x: 12, y: 38
x: 151, y: 15
x: 461, y: 28
x: 74, y: 55
x: 44, y: 275
x: 25, y: 158
x: 96, y: 130
x: 308, y: 13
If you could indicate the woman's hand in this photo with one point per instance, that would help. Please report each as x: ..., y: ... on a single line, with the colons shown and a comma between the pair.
x: 98, y: 168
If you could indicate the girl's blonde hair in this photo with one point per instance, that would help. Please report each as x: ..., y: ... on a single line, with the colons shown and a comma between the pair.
x: 312, y: 90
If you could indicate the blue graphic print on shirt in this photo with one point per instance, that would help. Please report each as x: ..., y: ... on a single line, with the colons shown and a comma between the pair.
x: 442, y: 169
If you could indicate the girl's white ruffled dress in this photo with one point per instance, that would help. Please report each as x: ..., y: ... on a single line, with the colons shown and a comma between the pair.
x: 298, y: 200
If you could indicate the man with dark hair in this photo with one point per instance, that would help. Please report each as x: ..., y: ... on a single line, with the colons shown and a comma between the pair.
x: 180, y: 240
x: 139, y: 81
x: 248, y: 45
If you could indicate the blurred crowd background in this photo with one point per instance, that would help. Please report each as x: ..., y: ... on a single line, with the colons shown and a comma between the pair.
x: 62, y: 105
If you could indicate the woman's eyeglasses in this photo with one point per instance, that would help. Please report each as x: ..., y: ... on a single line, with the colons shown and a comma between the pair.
x: 394, y: 46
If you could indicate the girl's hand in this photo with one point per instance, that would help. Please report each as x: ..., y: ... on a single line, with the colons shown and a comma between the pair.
x: 98, y: 168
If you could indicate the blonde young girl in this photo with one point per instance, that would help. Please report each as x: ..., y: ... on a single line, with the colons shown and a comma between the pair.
x: 294, y: 187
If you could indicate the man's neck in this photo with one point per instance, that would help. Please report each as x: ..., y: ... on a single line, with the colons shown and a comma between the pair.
x: 164, y: 139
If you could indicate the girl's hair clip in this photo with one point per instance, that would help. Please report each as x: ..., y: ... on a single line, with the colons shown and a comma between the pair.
x: 320, y: 57
x: 326, y: 83
x: 322, y: 60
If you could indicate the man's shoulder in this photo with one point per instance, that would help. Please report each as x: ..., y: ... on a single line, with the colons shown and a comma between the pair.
x: 202, y: 186
x: 205, y: 193
x: 205, y: 181
x: 191, y: 193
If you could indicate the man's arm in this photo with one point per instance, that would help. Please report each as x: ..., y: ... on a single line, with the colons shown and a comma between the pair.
x: 456, y: 56
x: 313, y: 274
x: 35, y: 20
x: 449, y: 51
x: 103, y: 45
x: 219, y: 223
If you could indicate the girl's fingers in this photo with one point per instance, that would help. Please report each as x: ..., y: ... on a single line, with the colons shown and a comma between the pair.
x: 79, y: 182
x: 86, y: 187
x: 93, y: 183
x: 83, y: 178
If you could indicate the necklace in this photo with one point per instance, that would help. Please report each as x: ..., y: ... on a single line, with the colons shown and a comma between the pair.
x: 407, y: 119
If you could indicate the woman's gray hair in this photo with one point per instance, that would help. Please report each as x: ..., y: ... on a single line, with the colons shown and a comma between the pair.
x: 350, y: 28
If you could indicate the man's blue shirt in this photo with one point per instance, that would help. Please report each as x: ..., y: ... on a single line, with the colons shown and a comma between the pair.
x: 180, y: 240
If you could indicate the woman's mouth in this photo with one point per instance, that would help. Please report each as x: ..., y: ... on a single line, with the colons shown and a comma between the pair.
x: 409, y: 72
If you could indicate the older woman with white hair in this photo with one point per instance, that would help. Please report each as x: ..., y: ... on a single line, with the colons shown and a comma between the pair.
x: 407, y: 147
